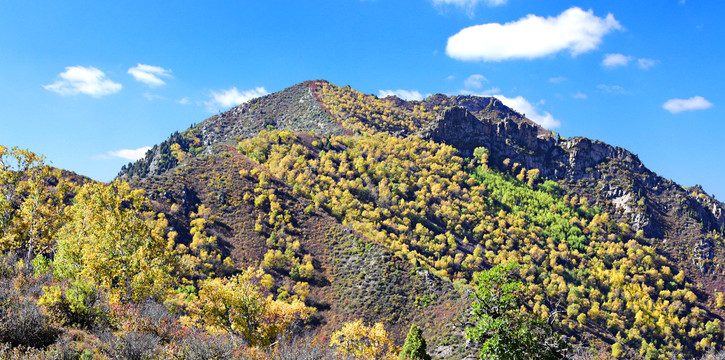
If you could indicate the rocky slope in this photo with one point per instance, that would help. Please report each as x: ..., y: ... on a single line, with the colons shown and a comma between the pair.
x: 198, y: 166
x: 680, y: 221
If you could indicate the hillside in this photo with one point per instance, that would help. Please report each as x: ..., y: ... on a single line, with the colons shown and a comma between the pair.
x: 684, y: 222
x: 681, y: 229
x: 333, y: 206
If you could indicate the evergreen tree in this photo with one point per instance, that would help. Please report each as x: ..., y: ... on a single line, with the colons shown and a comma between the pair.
x: 414, y: 347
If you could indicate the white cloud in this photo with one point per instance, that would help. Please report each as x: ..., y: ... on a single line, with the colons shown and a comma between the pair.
x: 646, y: 63
x: 531, y: 37
x: 580, y: 95
x: 226, y: 99
x: 83, y: 80
x: 151, y: 97
x: 616, y: 60
x: 612, y: 61
x: 521, y: 105
x: 183, y: 101
x: 679, y: 105
x: 128, y: 154
x: 149, y: 74
x: 474, y: 81
x: 469, y: 5
x: 487, y: 92
x: 403, y: 94
x: 556, y: 80
x: 614, y: 89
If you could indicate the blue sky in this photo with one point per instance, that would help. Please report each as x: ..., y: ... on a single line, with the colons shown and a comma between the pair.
x: 89, y: 83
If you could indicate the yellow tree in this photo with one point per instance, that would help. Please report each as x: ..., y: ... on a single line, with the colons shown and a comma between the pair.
x: 361, y: 341
x: 31, y: 206
x: 236, y: 305
x: 113, y: 240
x: 14, y: 166
x: 42, y: 211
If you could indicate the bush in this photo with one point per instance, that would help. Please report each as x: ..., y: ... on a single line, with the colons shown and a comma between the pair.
x: 137, y: 346
x: 201, y: 346
x: 79, y: 304
x: 303, y: 348
x: 22, y: 323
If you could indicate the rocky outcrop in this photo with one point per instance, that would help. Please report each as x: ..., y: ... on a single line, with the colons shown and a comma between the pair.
x: 294, y: 108
x: 522, y: 142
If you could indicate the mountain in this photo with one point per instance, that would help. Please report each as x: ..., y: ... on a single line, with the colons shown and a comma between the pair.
x: 396, y: 204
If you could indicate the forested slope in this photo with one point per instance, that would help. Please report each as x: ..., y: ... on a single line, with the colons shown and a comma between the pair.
x: 326, y: 206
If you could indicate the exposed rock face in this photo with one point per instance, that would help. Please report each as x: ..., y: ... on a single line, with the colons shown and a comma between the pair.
x: 521, y: 142
x: 294, y: 108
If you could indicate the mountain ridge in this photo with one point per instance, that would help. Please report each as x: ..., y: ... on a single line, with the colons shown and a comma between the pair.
x: 317, y: 119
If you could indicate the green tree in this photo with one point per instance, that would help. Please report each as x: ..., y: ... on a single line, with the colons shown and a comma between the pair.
x: 113, y: 240
x: 503, y: 331
x: 415, y: 346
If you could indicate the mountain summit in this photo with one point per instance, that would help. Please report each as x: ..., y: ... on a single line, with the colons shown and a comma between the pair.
x: 384, y: 206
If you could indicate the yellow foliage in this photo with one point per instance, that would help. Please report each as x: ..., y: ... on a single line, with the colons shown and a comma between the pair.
x: 361, y: 341
x: 237, y: 305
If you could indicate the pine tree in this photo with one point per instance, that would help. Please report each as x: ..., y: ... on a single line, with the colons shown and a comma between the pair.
x: 414, y: 347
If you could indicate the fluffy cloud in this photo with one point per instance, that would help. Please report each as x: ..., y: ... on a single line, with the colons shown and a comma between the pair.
x: 679, y: 105
x: 149, y: 74
x: 403, y: 94
x: 226, y: 99
x: 469, y: 5
x: 612, y: 61
x: 128, y: 154
x: 521, y: 105
x: 646, y: 63
x: 580, y: 95
x: 614, y: 89
x: 615, y: 60
x: 474, y: 81
x: 487, y: 92
x: 531, y: 37
x: 83, y: 80
x: 556, y: 80
x: 152, y: 97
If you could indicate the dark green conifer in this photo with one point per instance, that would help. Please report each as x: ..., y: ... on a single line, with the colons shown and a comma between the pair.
x: 414, y: 347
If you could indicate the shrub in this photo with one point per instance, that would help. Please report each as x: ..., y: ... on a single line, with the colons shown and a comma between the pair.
x: 22, y: 323
x: 202, y: 346
x: 137, y: 346
x: 79, y: 304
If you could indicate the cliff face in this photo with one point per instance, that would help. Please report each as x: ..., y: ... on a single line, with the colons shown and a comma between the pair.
x: 522, y: 142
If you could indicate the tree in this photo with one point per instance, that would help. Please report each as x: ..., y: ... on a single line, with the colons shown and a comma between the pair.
x: 362, y: 341
x: 32, y: 197
x: 414, y: 346
x: 14, y: 166
x: 113, y: 240
x: 501, y: 328
x: 237, y: 306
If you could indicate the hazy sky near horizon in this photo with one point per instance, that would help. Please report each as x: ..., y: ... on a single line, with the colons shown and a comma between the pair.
x: 92, y: 84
